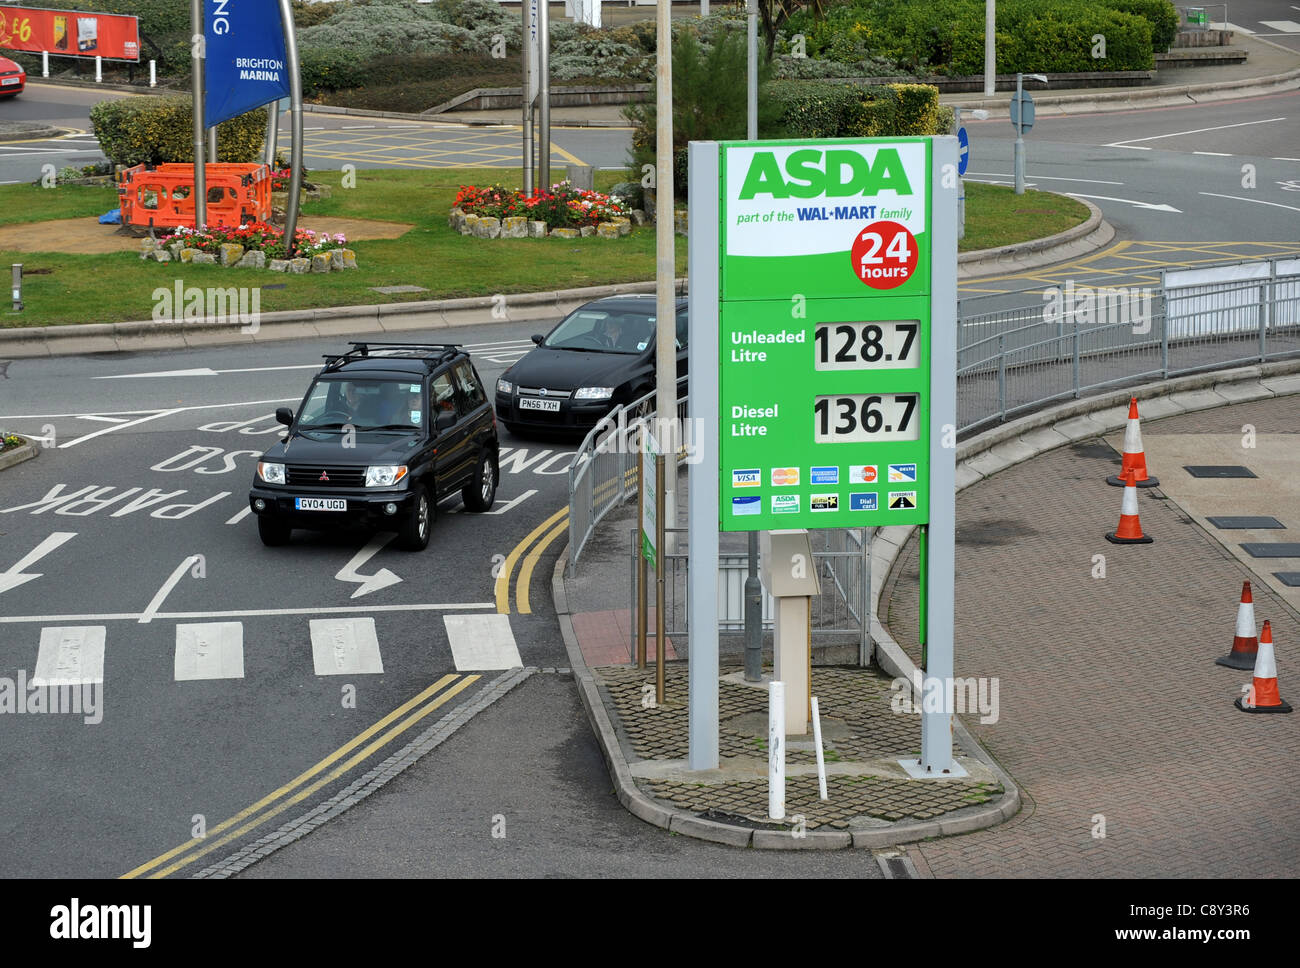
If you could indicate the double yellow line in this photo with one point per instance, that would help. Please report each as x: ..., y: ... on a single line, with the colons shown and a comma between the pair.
x: 558, y: 523
x: 260, y: 812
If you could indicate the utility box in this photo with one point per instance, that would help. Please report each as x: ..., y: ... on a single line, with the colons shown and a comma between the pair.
x: 788, y: 572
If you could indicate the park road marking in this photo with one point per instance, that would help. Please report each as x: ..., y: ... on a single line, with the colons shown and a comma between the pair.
x: 345, y: 646
x: 70, y: 656
x: 209, y: 650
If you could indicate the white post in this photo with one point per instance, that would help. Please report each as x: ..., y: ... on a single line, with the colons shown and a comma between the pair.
x: 776, y: 750
x: 99, y: 69
x: 153, y: 73
x: 665, y: 266
x: 990, y: 53
x: 817, y: 738
x: 45, y: 63
x: 751, y: 12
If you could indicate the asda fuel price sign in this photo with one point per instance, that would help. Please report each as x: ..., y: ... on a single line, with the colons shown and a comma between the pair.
x: 824, y: 323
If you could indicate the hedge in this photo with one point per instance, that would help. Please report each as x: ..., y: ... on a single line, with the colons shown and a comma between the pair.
x: 155, y: 130
x: 817, y: 109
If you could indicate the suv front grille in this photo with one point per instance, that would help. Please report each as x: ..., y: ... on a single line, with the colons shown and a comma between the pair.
x: 309, y: 475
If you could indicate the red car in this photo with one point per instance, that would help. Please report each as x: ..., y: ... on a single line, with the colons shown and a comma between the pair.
x: 12, y: 78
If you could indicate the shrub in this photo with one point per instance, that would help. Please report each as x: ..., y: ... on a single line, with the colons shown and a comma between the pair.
x: 812, y: 109
x: 153, y: 131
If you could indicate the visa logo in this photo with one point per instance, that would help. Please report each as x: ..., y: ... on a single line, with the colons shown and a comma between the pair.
x: 751, y: 477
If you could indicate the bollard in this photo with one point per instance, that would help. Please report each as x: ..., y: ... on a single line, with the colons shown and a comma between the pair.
x: 776, y: 750
x: 817, y: 738
x: 18, y: 287
x: 153, y: 73
x: 99, y: 69
x: 45, y: 63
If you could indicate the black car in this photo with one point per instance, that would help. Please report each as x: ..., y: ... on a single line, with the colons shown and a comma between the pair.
x: 600, y: 356
x: 385, y: 432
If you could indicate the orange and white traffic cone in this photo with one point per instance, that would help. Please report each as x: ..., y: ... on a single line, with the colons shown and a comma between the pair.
x: 1135, y: 459
x: 1263, y: 697
x: 1130, y: 528
x: 1244, y: 644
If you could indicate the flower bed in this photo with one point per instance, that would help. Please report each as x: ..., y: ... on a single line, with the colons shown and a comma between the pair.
x: 9, y: 441
x: 494, y: 211
x: 256, y: 245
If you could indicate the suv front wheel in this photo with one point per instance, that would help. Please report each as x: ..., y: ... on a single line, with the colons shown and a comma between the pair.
x: 481, y: 492
x: 414, y: 534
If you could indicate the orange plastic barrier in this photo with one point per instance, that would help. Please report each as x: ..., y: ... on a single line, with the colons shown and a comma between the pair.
x: 161, y: 195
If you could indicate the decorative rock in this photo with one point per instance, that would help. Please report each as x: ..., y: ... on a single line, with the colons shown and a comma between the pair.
x: 299, y: 266
x: 455, y: 218
x: 537, y: 230
x: 639, y: 217
x: 253, y: 259
x: 467, y: 226
x: 231, y: 253
x: 564, y: 233
x: 204, y: 258
x: 515, y: 227
x: 487, y: 228
x: 320, y: 262
x: 187, y: 255
x: 148, y: 244
x: 624, y: 226
x: 607, y: 230
x: 679, y: 222
x: 587, y: 230
x: 162, y: 255
x: 279, y: 265
x: 349, y: 258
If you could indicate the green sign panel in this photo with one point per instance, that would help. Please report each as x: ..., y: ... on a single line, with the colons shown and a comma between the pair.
x: 824, y: 329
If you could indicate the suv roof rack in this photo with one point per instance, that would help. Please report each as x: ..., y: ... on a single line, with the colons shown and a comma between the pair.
x: 361, y: 350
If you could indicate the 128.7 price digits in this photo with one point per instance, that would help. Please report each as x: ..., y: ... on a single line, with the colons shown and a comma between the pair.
x: 862, y: 418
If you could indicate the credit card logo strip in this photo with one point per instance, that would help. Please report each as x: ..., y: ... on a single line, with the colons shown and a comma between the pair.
x: 902, y: 473
x: 902, y: 500
x: 785, y: 477
x: 863, y: 474
x: 785, y: 503
x: 824, y: 502
x: 749, y: 504
x: 748, y: 477
x: 823, y: 475
x: 869, y: 501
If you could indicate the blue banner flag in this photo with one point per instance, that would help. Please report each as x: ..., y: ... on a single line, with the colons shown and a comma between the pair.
x: 245, y: 65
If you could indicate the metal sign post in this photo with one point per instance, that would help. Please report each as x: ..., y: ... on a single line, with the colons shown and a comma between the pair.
x: 197, y: 42
x: 295, y: 120
x: 531, y: 64
x: 1022, y: 119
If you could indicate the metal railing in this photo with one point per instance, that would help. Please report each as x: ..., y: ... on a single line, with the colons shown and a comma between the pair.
x: 602, y: 474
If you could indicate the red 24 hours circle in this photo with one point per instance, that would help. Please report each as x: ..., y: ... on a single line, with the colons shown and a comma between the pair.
x: 884, y: 255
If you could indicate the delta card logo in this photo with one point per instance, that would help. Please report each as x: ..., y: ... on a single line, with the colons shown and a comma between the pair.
x: 824, y: 475
x: 863, y: 502
x: 750, y: 477
x: 862, y: 474
x: 785, y: 503
x: 785, y: 476
x: 902, y: 473
x: 902, y: 500
x: 749, y: 504
x: 824, y: 502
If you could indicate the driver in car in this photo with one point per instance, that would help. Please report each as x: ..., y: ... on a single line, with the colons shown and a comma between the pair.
x: 613, y: 333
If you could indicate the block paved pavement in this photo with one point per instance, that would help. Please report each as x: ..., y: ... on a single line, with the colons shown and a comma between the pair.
x: 1111, y: 705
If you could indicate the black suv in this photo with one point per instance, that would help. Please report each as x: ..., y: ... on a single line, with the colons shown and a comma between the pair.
x: 385, y: 432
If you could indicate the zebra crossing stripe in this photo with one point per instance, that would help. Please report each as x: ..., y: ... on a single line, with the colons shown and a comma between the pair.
x: 209, y: 650
x: 345, y: 646
x: 70, y: 656
x: 482, y: 643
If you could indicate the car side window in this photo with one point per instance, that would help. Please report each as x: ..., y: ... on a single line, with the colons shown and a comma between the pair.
x: 683, y: 328
x: 472, y: 396
x: 442, y: 394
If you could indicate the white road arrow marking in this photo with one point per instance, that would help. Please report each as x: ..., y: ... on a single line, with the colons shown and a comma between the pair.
x: 1129, y: 201
x: 369, y: 583
x: 205, y: 371
x: 15, y: 577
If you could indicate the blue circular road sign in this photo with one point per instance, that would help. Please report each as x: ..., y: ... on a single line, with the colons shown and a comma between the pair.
x: 963, y: 151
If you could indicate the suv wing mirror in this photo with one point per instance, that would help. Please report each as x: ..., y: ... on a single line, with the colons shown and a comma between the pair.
x: 284, y: 415
x: 537, y: 338
x: 444, y: 420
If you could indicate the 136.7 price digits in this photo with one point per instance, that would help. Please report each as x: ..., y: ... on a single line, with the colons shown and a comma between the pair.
x: 862, y: 418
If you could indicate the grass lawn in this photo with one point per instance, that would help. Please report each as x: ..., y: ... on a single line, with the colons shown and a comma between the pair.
x: 61, y: 288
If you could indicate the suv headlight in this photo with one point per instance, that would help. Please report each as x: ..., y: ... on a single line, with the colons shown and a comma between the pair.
x: 270, y: 472
x: 505, y: 386
x: 593, y: 393
x: 384, y: 475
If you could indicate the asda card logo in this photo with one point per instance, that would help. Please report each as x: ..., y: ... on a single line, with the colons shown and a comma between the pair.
x: 824, y: 502
x: 752, y: 477
x: 902, y: 473
x: 861, y: 474
x: 785, y: 503
x: 824, y: 475
x: 750, y: 504
x: 902, y: 500
x: 785, y: 476
x: 863, y: 502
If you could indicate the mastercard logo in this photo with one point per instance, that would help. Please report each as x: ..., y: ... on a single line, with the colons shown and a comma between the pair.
x: 785, y: 476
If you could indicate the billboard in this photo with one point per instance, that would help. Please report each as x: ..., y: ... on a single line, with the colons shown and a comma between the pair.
x: 824, y: 329
x: 71, y: 33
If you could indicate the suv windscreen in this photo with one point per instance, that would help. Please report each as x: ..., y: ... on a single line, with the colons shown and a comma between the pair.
x: 395, y: 405
x: 603, y: 330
